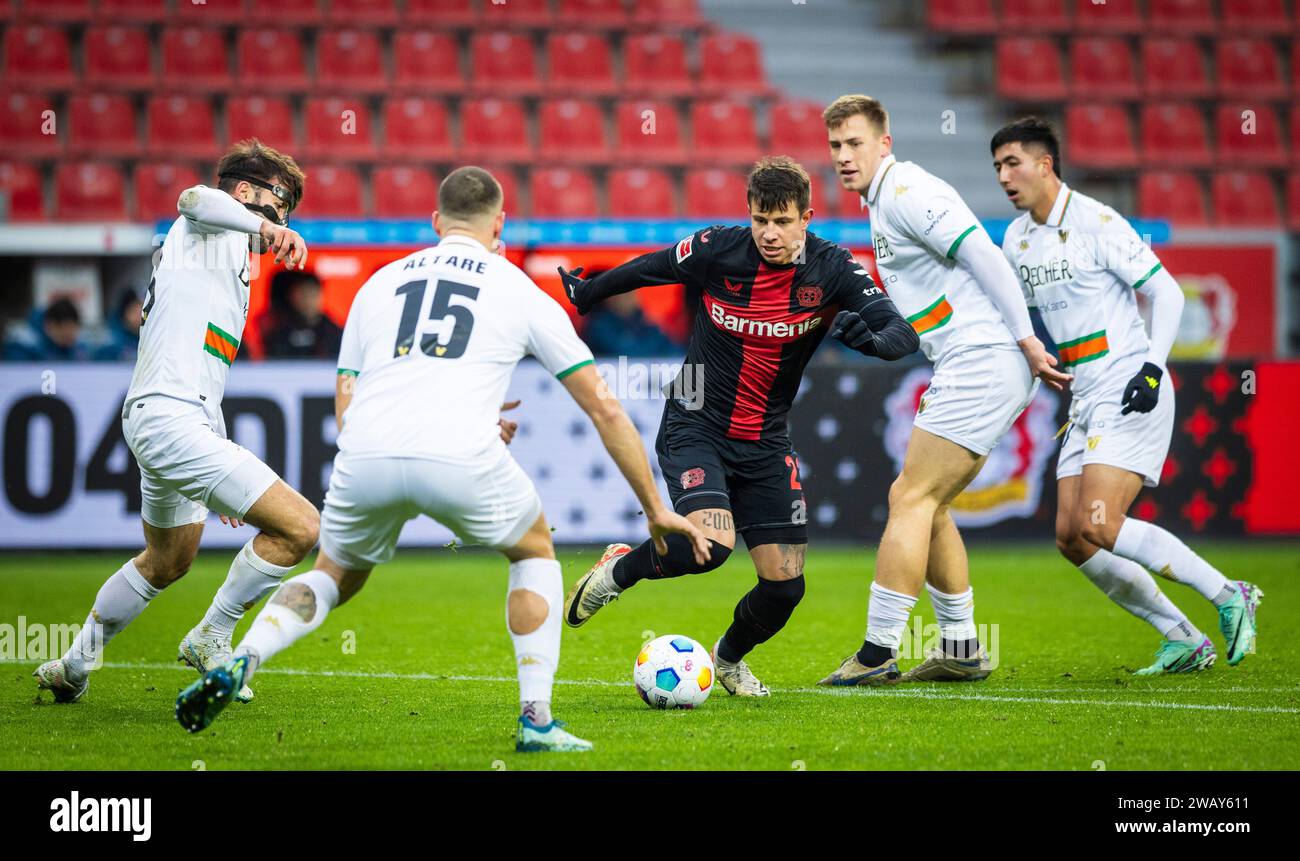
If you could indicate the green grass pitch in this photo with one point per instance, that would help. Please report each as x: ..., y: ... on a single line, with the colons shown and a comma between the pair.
x: 417, y: 673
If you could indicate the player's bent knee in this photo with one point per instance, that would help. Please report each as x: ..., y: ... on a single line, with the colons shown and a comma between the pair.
x: 297, y: 597
x: 680, y: 558
x: 1100, y: 534
x: 525, y: 611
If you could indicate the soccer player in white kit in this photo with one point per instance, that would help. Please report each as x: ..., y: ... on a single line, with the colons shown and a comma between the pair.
x: 1082, y: 264
x: 950, y: 281
x: 428, y: 351
x: 194, y: 316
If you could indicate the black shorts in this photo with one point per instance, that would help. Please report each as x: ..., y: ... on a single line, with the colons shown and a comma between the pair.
x: 757, y: 481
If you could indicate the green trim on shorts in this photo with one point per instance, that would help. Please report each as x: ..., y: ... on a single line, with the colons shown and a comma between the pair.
x: 348, y: 372
x: 562, y: 374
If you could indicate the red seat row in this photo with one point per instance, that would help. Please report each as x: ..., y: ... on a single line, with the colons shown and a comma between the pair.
x: 1173, y: 135
x: 1241, y: 199
x: 570, y: 131
x: 1111, y: 16
x: 1032, y: 69
x: 602, y: 14
x: 352, y: 60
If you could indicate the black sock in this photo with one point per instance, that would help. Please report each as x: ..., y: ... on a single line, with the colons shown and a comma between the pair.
x: 871, y: 655
x: 645, y: 563
x: 960, y: 649
x: 760, y: 614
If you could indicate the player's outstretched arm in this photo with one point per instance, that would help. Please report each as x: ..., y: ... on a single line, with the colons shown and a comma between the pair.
x: 669, y: 266
x: 623, y: 443
x: 869, y: 321
x: 212, y: 210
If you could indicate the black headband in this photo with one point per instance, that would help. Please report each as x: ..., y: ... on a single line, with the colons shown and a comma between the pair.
x: 281, y: 193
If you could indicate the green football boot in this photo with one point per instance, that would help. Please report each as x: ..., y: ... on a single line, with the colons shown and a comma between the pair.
x: 200, y: 703
x: 1237, y: 622
x: 1176, y: 657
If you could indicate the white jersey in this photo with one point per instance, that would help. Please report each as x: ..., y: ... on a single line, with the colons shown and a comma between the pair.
x: 1080, y: 270
x: 194, y: 315
x: 433, y: 339
x: 918, y: 222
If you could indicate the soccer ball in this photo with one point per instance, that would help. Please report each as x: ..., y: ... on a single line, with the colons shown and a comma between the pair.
x: 673, y: 672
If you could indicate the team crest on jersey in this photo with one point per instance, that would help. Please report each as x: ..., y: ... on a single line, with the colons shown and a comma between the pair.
x: 684, y: 248
x: 1093, y: 441
x: 809, y: 296
x: 1064, y: 234
x: 1024, y: 245
x: 692, y: 478
x: 900, y: 190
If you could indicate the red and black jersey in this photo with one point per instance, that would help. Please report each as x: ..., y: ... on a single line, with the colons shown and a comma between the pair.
x: 758, y: 323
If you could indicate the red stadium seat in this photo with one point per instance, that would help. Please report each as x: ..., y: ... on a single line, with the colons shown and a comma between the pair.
x: 648, y: 133
x: 1099, y: 137
x: 119, y: 58
x: 442, y: 13
x: 362, y: 13
x: 267, y: 118
x: 580, y: 64
x: 572, y: 131
x: 731, y: 65
x: 417, y: 128
x: 1256, y: 17
x: 1102, y: 68
x: 724, y: 132
x: 22, y: 197
x: 502, y: 63
x: 210, y: 12
x: 334, y: 191
x: 404, y: 192
x: 715, y: 193
x: 1029, y: 70
x: 1292, y: 200
x: 131, y: 11
x: 1035, y: 16
x: 666, y: 13
x: 655, y: 64
x: 38, y: 56
x: 562, y: 192
x: 1174, y: 67
x: 494, y: 130
x: 338, y: 128
x: 1295, y: 66
x: 641, y: 193
x: 592, y: 14
x: 24, y: 121
x: 181, y: 126
x: 1249, y: 68
x: 1254, y: 141
x: 195, y: 57
x: 55, y: 11
x: 818, y: 199
x: 102, y: 125
x: 350, y: 61
x: 271, y: 61
x: 1112, y: 16
x: 426, y: 62
x: 1173, y: 135
x: 961, y: 16
x: 798, y: 131
x: 281, y: 13
x: 1246, y: 199
x: 157, y: 187
x: 89, y: 191
x: 516, y: 13
x: 1175, y: 197
x: 1181, y: 16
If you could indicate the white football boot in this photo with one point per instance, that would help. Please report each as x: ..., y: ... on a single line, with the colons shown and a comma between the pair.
x: 594, y: 589
x: 52, y: 676
x: 738, y: 678
x: 205, y: 651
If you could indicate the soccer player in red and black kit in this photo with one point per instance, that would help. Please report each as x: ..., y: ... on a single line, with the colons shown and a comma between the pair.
x: 769, y: 293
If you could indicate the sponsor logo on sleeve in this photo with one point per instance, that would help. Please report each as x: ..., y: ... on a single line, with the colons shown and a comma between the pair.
x: 684, y: 248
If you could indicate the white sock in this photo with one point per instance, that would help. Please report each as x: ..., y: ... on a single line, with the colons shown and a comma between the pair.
x: 954, y: 613
x: 251, y: 579
x: 279, y: 626
x: 537, y: 654
x: 887, y: 615
x: 1163, y: 554
x: 1129, y: 585
x: 122, y: 597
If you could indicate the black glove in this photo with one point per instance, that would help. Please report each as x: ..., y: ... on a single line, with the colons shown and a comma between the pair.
x: 1142, y: 391
x: 852, y: 331
x: 575, y: 288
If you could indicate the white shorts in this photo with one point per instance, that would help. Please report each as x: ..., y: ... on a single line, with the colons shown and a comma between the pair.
x: 975, y: 396
x: 1098, y: 432
x: 371, y: 498
x: 187, y: 467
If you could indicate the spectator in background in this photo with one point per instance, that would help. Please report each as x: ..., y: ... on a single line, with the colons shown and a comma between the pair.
x: 618, y: 327
x: 296, y: 327
x: 123, y: 337
x: 52, y: 335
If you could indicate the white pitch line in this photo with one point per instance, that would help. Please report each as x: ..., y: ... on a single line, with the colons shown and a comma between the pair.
x: 901, y: 693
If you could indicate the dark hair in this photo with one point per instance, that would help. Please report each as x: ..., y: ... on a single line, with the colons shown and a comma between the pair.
x: 284, y: 281
x: 469, y: 192
x: 777, y: 181
x: 253, y: 158
x: 845, y: 107
x: 62, y: 310
x: 1030, y: 131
